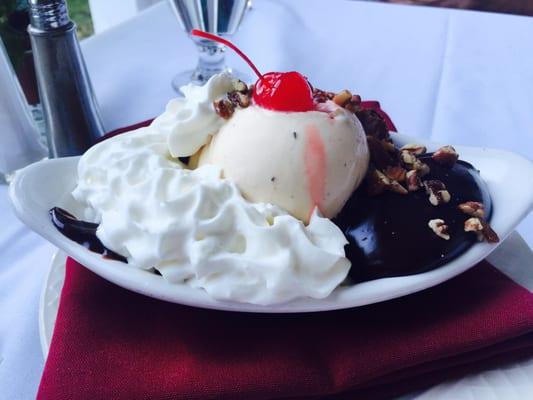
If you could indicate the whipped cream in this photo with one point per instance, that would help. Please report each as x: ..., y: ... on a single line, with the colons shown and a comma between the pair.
x: 195, y: 227
x: 189, y: 122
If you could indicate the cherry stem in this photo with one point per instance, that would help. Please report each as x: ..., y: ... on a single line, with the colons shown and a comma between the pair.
x: 210, y: 36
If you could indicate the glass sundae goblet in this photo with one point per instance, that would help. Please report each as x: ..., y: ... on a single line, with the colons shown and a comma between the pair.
x: 221, y: 17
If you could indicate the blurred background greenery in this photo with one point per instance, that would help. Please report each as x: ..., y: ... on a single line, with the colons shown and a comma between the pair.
x: 78, y: 9
x: 14, y: 20
x: 80, y: 13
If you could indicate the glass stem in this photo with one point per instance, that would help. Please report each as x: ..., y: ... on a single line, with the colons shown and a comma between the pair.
x: 211, y: 60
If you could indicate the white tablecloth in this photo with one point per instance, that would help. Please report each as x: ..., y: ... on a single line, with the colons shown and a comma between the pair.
x: 452, y: 76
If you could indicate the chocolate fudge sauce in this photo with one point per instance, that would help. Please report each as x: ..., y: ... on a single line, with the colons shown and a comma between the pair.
x: 81, y: 232
x: 389, y: 235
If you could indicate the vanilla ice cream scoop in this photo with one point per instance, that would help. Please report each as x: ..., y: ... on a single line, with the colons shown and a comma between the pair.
x: 295, y: 160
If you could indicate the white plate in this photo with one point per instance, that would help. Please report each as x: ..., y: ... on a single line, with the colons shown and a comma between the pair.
x: 46, y: 184
x: 49, y: 300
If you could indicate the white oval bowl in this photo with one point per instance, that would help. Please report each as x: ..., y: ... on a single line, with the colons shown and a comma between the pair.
x: 46, y: 184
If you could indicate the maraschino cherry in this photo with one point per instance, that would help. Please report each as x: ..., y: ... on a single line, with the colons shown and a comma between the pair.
x: 279, y: 91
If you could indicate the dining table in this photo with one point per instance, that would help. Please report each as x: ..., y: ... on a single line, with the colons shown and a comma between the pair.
x: 448, y: 76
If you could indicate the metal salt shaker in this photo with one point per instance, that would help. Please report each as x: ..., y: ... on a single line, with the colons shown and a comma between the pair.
x: 70, y: 110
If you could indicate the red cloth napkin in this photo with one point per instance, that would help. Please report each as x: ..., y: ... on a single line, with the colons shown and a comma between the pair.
x: 110, y: 343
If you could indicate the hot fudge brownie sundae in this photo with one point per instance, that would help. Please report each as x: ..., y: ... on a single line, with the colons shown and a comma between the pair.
x: 269, y: 192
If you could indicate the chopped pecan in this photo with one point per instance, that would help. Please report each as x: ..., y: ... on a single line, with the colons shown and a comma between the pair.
x: 488, y: 233
x: 239, y: 86
x: 396, y: 173
x: 472, y: 208
x: 413, y: 181
x: 224, y: 108
x: 482, y: 229
x: 437, y: 192
x: 446, y: 156
x: 239, y: 99
x: 474, y: 225
x: 439, y: 227
x: 421, y: 167
x: 321, y: 96
x: 407, y: 157
x: 342, y: 98
x: 414, y: 148
x: 412, y: 162
x: 354, y: 104
x: 434, y: 185
x: 378, y: 182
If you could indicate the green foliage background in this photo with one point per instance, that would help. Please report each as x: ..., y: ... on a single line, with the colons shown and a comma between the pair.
x: 16, y: 42
x: 78, y: 9
x: 80, y: 13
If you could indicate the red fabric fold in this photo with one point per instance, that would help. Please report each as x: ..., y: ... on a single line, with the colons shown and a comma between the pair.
x: 112, y: 343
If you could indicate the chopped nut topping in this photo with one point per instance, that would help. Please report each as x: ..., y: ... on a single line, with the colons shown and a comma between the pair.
x: 434, y: 185
x: 321, y: 96
x: 413, y: 181
x: 446, y: 156
x: 439, y: 227
x: 407, y: 157
x: 342, y: 98
x: 239, y: 86
x: 379, y: 182
x: 473, y: 225
x: 440, y: 197
x: 414, y: 148
x: 421, y: 167
x: 482, y: 229
x: 354, y: 104
x: 224, y: 108
x: 488, y: 233
x: 473, y: 208
x: 239, y: 99
x: 437, y: 192
x: 396, y: 173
